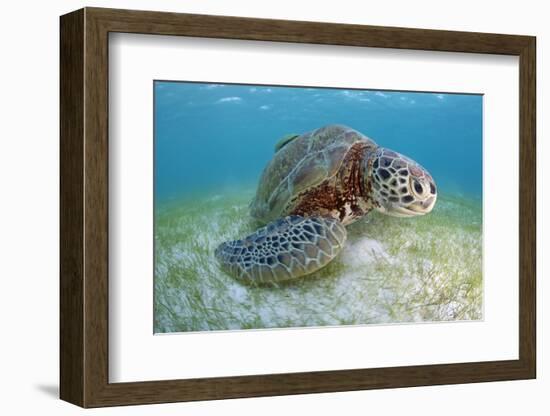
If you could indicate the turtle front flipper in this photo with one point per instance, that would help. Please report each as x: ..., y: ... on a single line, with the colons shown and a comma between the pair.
x: 285, y: 249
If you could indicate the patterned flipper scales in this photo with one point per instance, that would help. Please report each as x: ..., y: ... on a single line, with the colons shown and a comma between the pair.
x: 285, y: 249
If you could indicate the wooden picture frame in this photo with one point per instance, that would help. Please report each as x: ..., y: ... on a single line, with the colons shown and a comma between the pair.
x: 84, y: 207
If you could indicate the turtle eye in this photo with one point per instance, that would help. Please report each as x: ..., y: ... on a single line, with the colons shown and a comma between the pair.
x: 417, y: 187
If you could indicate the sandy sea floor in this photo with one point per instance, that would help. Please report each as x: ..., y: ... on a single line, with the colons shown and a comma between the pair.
x: 392, y: 270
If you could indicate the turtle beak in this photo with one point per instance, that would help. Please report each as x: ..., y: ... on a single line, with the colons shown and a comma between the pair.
x: 404, y: 212
x: 414, y: 210
x: 423, y: 207
x: 428, y: 204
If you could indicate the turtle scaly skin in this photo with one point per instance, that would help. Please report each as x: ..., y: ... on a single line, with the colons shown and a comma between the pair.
x: 315, y: 185
x: 284, y: 249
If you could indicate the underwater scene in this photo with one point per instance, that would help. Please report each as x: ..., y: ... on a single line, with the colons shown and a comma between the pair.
x: 281, y: 207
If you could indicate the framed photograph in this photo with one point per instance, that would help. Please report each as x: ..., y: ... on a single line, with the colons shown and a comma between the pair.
x: 254, y: 207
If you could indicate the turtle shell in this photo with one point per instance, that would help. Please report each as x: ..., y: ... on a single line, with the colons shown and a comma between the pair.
x: 300, y: 165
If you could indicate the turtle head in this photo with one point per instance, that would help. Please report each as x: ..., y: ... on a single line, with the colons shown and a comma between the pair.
x: 400, y: 186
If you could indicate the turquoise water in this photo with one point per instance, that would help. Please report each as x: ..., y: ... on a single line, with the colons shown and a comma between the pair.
x: 215, y: 136
x: 212, y: 142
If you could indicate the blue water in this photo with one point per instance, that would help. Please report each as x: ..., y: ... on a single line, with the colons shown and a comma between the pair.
x: 212, y: 138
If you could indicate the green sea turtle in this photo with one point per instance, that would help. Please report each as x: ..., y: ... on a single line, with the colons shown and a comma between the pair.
x: 315, y: 185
